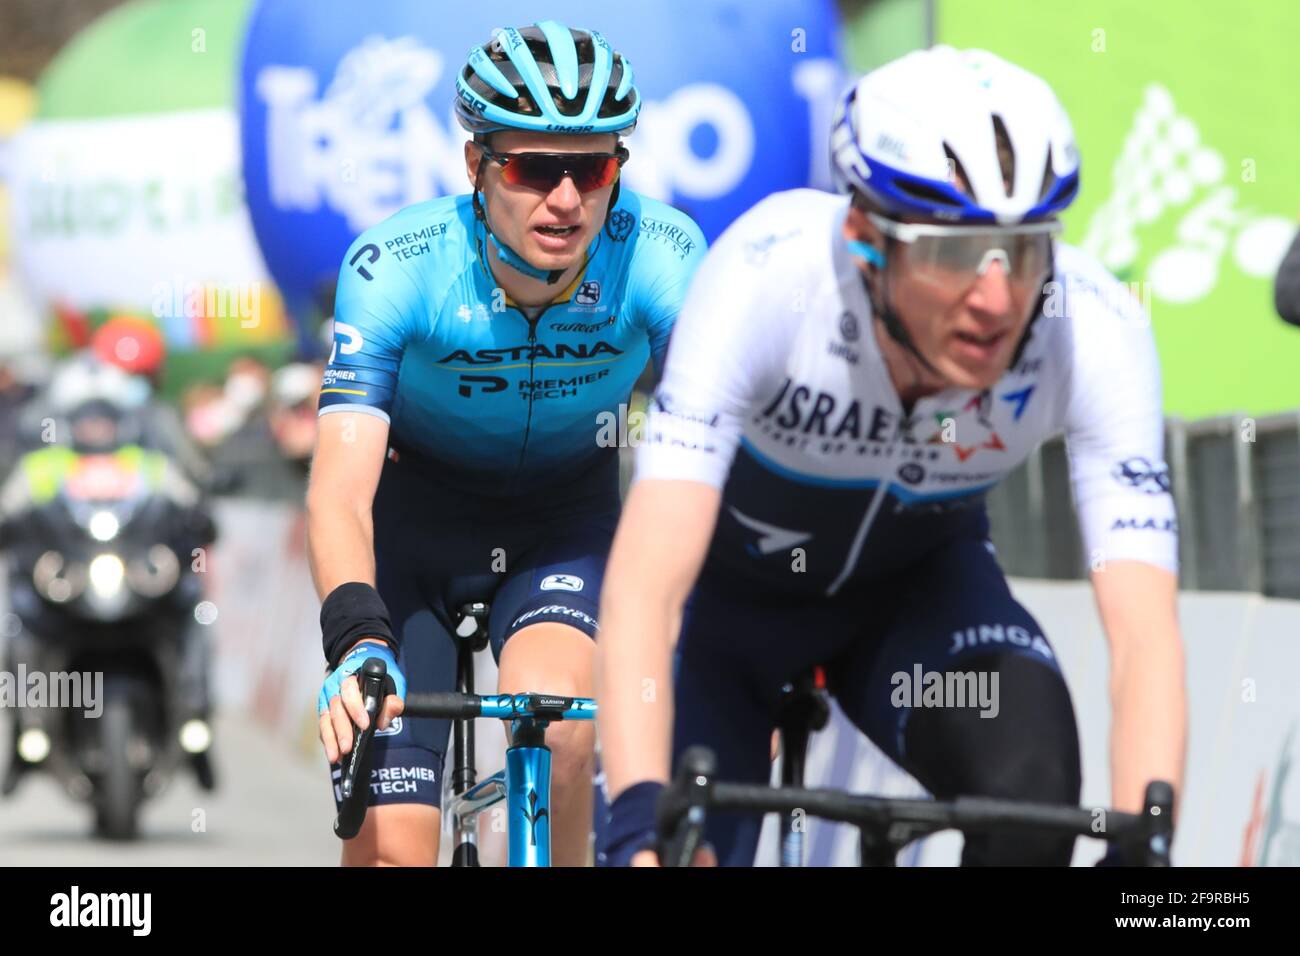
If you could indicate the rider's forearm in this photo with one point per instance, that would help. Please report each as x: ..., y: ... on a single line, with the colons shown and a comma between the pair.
x: 1148, y: 720
x: 340, y: 542
x: 654, y: 561
x: 1139, y: 610
x: 634, y: 686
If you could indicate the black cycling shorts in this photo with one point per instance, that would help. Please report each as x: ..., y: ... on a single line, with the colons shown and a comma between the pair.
x: 536, y: 558
x: 950, y: 611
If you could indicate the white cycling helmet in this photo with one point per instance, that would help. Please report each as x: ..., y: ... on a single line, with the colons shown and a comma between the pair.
x: 908, y: 132
x: 83, y: 378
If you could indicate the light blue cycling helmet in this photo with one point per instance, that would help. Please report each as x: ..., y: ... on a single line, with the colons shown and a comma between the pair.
x: 549, y: 79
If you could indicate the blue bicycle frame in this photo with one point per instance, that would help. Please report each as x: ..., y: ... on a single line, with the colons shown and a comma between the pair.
x: 525, y: 783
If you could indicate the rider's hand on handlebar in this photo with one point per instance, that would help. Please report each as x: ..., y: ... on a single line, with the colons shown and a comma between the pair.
x: 340, y: 705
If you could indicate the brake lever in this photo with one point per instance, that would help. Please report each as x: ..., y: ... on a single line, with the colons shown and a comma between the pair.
x: 372, y: 679
x: 682, y: 808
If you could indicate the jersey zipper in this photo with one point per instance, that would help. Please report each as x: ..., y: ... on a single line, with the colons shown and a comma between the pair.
x: 878, y: 499
x: 528, y: 424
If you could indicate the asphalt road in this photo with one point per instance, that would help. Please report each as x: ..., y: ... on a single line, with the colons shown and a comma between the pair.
x: 272, y: 808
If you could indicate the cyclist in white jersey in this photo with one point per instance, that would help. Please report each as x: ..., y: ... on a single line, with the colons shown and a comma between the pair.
x: 847, y: 378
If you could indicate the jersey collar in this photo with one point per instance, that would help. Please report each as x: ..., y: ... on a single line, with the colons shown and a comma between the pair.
x: 566, y: 294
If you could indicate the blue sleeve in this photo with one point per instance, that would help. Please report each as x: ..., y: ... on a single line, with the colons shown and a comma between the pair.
x: 669, y: 249
x: 376, y: 299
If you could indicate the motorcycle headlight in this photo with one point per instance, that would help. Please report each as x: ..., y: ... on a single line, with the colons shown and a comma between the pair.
x: 103, y: 526
x: 55, y: 579
x: 106, y: 574
x: 156, y: 573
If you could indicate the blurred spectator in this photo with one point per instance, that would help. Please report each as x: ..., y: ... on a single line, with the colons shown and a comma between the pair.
x: 259, y: 429
x: 84, y: 380
x: 215, y: 413
x: 136, y: 346
x: 294, y: 393
x: 14, y: 393
x: 76, y: 381
x: 133, y: 344
x: 24, y: 366
x: 1286, y: 288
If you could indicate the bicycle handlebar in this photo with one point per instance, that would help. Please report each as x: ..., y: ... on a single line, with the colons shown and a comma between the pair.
x: 501, y: 706
x: 897, y: 821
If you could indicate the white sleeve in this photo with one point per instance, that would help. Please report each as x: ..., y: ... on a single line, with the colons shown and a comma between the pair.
x: 1115, y: 431
x: 727, y: 348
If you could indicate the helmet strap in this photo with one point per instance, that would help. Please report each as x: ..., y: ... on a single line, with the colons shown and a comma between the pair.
x: 613, y: 197
x: 883, y: 307
x: 517, y: 262
x: 1039, y: 309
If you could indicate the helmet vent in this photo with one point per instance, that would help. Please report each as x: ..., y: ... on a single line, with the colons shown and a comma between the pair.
x: 608, y: 105
x: 522, y: 104
x: 1006, y: 155
x: 958, y: 172
x: 541, y: 54
x: 1049, y: 177
x: 600, y: 73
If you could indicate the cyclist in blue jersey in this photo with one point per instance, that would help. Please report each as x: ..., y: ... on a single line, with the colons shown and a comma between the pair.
x: 481, y: 343
x: 848, y: 377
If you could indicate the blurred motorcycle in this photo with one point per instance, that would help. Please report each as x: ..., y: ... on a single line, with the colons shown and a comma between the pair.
x: 101, y: 542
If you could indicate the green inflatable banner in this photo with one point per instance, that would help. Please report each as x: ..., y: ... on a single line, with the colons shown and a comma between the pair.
x: 127, y: 197
x: 1185, y: 113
